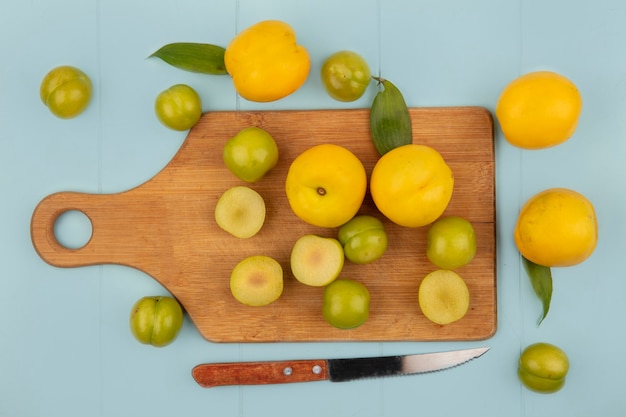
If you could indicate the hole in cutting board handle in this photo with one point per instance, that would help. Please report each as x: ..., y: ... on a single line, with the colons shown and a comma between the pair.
x: 73, y: 229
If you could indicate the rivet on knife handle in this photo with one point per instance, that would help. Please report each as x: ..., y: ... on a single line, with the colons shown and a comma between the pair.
x: 258, y: 373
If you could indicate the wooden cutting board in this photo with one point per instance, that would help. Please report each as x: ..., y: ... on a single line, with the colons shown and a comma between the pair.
x: 165, y: 227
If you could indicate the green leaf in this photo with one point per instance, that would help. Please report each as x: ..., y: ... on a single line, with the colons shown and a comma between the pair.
x: 194, y: 57
x: 390, y: 121
x: 541, y: 280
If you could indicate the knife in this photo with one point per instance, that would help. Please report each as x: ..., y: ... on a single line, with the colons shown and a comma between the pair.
x: 335, y: 370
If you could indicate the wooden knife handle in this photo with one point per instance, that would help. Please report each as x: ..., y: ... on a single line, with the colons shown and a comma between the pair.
x: 258, y: 373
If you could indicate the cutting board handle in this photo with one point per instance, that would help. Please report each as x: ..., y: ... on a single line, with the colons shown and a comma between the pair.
x: 103, y: 211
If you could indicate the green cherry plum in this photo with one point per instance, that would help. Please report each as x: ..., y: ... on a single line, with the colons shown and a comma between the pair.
x: 66, y: 91
x: 156, y: 320
x: 451, y: 242
x: 179, y: 107
x: 345, y: 75
x: 363, y: 238
x: 346, y: 303
x: 543, y: 367
x: 250, y: 154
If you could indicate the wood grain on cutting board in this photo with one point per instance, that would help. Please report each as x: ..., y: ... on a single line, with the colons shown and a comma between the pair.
x: 165, y: 227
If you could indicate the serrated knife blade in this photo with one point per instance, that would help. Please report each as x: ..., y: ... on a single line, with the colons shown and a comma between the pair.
x: 335, y: 370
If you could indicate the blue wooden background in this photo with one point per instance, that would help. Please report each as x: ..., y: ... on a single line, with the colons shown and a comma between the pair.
x: 65, y: 347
